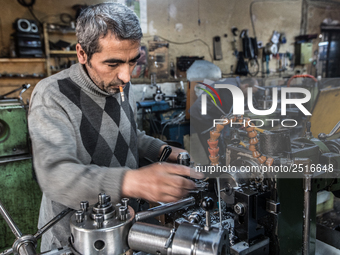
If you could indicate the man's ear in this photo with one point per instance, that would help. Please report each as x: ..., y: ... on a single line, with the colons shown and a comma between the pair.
x: 82, y: 57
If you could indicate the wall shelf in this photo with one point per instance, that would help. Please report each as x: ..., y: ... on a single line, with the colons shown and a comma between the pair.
x: 23, y: 60
x: 163, y: 80
x: 19, y: 77
x: 63, y: 52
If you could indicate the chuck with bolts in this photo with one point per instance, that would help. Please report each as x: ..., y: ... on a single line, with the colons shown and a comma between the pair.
x: 101, y: 228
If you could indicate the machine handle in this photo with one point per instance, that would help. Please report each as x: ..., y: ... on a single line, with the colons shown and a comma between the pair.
x: 16, y: 231
x: 165, y: 208
x: 323, y: 136
x: 165, y: 153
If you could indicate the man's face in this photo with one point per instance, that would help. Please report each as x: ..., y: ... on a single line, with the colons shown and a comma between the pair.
x: 113, y: 65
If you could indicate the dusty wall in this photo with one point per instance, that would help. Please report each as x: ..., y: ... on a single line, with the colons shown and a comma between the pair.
x: 187, y: 20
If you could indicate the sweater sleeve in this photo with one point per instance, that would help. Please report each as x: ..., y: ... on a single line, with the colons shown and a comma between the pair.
x: 148, y: 147
x: 60, y: 173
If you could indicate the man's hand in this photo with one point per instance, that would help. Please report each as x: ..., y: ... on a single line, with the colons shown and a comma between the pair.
x: 159, y: 182
x: 173, y: 156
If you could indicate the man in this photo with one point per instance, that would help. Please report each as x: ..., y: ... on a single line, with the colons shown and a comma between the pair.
x: 84, y: 136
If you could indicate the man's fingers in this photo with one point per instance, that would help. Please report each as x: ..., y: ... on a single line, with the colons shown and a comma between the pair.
x: 174, y: 192
x: 182, y: 170
x: 179, y: 182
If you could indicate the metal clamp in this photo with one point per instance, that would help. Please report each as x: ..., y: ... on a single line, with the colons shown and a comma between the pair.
x: 171, y: 237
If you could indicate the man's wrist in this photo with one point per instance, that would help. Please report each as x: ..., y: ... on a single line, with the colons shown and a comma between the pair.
x: 130, y: 185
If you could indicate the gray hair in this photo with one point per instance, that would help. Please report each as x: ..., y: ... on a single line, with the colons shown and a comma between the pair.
x: 97, y: 21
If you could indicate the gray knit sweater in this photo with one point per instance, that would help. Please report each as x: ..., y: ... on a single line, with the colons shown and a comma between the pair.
x: 84, y: 140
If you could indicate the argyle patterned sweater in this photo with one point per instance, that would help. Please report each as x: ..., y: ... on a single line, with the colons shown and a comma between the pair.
x: 84, y: 140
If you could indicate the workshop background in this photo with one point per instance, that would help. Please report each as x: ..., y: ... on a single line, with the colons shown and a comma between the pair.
x: 183, y: 21
x: 291, y: 39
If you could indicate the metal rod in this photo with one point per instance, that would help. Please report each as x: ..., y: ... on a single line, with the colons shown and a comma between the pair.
x: 7, y: 252
x: 166, y: 208
x: 307, y: 187
x: 27, y: 249
x: 149, y: 238
x: 52, y: 222
x: 16, y: 231
x: 306, y: 213
x: 219, y: 200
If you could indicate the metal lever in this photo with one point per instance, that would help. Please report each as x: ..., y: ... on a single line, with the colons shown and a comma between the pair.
x: 323, y: 136
x: 24, y: 88
x: 51, y: 223
x: 165, y: 208
x: 16, y: 231
x: 29, y: 240
x: 165, y: 153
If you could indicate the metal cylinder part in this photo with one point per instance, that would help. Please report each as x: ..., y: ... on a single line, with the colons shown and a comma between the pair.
x: 166, y: 208
x: 122, y: 212
x: 188, y: 239
x: 99, y: 234
x: 193, y: 239
x: 183, y: 158
x: 148, y: 238
x: 125, y: 201
x: 99, y: 219
x: 307, y: 187
x: 275, y: 143
x: 79, y: 216
x: 84, y: 205
x: 27, y: 249
x: 25, y: 245
x: 102, y: 198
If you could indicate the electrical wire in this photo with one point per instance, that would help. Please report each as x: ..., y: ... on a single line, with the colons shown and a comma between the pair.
x: 29, y: 6
x: 35, y: 17
x: 23, y: 3
x: 192, y: 41
x: 177, y: 120
x: 258, y: 69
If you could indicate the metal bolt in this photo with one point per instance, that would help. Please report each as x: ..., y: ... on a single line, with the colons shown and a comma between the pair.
x: 194, y: 217
x: 101, y: 198
x: 125, y: 202
x: 239, y: 209
x: 79, y: 216
x: 107, y: 199
x: 122, y: 213
x: 183, y: 158
x: 99, y: 218
x: 84, y: 205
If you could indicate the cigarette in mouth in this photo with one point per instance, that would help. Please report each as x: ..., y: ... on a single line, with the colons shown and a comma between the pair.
x: 121, y: 93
